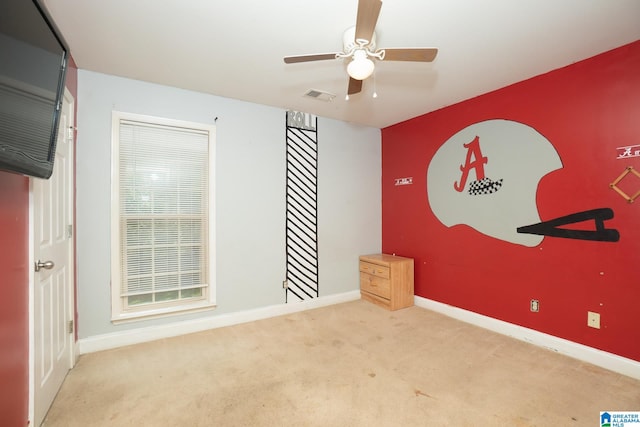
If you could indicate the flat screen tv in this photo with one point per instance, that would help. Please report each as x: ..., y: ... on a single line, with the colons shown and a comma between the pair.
x: 33, y: 63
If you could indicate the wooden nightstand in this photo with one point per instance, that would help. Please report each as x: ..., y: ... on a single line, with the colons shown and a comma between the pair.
x: 387, y: 280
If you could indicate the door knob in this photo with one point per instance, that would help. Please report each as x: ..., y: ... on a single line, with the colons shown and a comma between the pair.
x: 47, y: 264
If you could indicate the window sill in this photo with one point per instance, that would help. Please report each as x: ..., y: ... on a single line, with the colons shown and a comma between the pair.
x: 162, y: 312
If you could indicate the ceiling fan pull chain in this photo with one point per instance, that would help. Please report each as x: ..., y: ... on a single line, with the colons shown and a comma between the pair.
x: 375, y: 92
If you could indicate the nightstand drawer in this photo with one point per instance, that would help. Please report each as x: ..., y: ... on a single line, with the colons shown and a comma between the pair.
x: 375, y: 285
x: 375, y: 269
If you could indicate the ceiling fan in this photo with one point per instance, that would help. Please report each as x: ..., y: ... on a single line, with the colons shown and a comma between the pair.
x: 359, y: 45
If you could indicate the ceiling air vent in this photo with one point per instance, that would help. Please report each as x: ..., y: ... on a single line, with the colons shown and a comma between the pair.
x: 320, y: 95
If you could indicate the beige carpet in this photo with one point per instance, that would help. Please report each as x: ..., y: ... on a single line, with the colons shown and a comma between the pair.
x: 351, y: 364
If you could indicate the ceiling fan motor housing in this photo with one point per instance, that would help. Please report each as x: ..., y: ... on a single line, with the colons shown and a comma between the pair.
x: 349, y: 41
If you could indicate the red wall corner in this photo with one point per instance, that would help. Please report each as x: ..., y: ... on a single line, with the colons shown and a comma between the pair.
x: 14, y: 314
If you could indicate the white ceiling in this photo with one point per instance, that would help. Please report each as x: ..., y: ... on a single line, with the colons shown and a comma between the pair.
x: 234, y: 48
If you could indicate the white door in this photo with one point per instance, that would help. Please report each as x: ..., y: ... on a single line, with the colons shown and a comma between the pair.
x: 53, y: 283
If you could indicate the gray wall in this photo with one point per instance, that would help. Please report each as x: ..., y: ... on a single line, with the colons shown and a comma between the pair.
x: 250, y: 196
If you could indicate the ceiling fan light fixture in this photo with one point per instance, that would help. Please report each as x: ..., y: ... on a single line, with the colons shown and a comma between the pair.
x: 361, y: 66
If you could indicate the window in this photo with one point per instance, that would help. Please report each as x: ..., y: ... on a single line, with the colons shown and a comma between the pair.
x: 162, y: 217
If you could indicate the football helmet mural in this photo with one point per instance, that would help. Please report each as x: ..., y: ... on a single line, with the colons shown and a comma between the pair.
x: 486, y: 176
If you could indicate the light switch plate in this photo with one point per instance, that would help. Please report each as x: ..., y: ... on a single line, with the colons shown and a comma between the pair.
x: 593, y: 319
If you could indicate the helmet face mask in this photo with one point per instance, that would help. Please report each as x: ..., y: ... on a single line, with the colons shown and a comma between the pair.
x: 486, y: 176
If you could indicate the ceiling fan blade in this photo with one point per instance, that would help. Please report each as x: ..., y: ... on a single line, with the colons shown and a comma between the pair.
x: 308, y: 58
x: 355, y: 86
x: 411, y: 54
x: 368, y: 12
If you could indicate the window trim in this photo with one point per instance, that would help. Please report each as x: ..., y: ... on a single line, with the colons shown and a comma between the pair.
x: 157, y: 310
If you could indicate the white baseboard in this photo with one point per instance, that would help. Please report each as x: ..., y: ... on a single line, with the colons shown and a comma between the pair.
x: 591, y: 355
x: 140, y: 335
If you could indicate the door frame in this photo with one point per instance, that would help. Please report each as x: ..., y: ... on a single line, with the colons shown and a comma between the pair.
x: 74, y: 351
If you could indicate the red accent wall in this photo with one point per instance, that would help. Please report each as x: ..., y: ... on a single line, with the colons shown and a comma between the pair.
x: 586, y: 110
x: 14, y: 299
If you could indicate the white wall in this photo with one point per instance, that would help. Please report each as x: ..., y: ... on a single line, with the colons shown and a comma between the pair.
x: 250, y: 196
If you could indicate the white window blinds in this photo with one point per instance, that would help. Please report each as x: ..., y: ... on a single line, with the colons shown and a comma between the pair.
x: 163, y: 191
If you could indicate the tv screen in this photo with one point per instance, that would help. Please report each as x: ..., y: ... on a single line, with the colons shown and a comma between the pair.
x: 33, y: 59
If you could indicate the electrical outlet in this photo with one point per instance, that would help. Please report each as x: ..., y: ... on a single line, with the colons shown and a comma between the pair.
x: 535, y: 305
x: 593, y: 319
